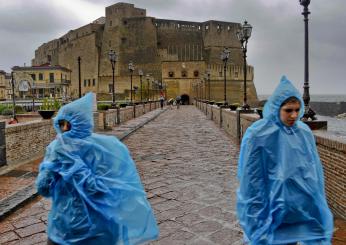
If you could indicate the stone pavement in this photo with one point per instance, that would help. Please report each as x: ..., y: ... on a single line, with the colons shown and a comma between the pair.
x: 188, y: 168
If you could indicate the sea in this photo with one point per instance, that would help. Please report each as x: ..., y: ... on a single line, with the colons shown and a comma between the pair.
x: 336, y: 126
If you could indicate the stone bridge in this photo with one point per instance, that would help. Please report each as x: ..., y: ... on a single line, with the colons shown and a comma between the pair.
x: 187, y: 164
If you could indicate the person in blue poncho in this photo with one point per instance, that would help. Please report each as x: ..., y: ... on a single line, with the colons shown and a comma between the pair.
x: 281, y: 198
x: 97, y: 195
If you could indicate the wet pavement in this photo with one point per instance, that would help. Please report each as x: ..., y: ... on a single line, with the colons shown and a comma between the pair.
x: 188, y: 168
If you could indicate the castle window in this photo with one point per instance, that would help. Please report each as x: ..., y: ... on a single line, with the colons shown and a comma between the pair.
x: 110, y: 88
x: 171, y: 74
x: 85, y: 82
x: 218, y: 27
x: 40, y: 77
x: 184, y: 73
x: 228, y: 28
x: 158, y: 43
x: 178, y: 26
x: 142, y: 13
x: 207, y: 27
x: 110, y: 43
x: 199, y: 28
x: 196, y: 73
x: 51, y: 77
x: 236, y: 74
x: 94, y: 82
x: 33, y: 76
x: 125, y: 22
x: 123, y: 40
x: 110, y: 23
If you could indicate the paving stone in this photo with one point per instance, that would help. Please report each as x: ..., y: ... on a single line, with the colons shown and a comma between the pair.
x: 32, y: 229
x: 8, y: 236
x: 206, y: 227
x: 226, y: 236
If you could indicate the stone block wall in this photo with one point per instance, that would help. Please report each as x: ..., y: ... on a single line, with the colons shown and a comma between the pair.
x: 27, y: 140
x: 332, y: 151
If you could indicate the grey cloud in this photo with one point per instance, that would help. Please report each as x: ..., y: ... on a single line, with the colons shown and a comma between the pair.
x: 275, y: 48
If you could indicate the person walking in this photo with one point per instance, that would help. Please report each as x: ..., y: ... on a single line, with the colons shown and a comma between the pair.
x: 178, y: 101
x: 281, y: 197
x: 97, y: 196
x: 162, y: 99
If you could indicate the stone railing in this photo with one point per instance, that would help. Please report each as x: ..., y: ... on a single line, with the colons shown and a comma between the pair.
x: 27, y: 141
x: 332, y: 151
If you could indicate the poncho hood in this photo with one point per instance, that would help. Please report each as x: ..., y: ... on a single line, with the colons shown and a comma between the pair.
x: 284, y: 90
x: 79, y: 114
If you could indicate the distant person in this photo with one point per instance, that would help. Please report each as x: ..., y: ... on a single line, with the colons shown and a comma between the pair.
x: 162, y: 99
x: 13, y: 120
x: 97, y: 195
x: 281, y: 198
x: 178, y: 101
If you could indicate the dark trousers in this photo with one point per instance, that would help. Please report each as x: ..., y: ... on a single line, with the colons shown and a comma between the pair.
x: 50, y: 242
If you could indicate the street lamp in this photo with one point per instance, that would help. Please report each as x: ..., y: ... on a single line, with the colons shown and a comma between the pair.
x: 308, y: 113
x: 79, y: 79
x: 131, y: 69
x: 140, y: 73
x: 224, y: 57
x: 243, y: 34
x: 148, y: 81
x: 13, y: 97
x: 112, y: 55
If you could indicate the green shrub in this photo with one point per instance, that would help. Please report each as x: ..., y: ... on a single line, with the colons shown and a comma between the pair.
x: 6, y: 112
x: 103, y: 107
x: 50, y: 105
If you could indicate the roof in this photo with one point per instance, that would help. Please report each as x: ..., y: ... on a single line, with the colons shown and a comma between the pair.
x: 45, y: 66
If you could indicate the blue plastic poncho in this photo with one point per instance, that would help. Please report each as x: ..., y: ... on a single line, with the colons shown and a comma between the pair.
x: 97, y: 196
x: 281, y: 196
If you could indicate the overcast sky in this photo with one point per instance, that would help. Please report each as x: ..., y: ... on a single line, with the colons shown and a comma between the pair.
x: 276, y: 46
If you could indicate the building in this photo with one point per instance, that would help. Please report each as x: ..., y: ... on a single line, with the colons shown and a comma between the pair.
x: 5, y: 91
x: 42, y: 81
x: 174, y: 52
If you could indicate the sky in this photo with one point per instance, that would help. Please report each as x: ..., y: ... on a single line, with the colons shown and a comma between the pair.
x: 276, y: 46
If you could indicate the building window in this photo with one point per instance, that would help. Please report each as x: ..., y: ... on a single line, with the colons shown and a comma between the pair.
x: 207, y: 27
x: 40, y: 76
x: 110, y: 23
x: 236, y: 74
x: 184, y: 73
x: 125, y: 22
x: 94, y: 82
x: 110, y: 88
x: 123, y: 40
x: 51, y: 77
x: 33, y: 76
x: 196, y: 73
x: 88, y: 82
x: 171, y: 74
x: 85, y: 82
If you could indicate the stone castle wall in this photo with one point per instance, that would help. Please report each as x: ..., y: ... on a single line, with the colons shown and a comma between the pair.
x: 147, y: 42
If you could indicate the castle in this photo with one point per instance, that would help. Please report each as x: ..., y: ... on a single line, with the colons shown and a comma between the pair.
x: 175, y: 53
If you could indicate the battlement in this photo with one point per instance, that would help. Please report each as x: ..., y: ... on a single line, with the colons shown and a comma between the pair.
x: 124, y: 10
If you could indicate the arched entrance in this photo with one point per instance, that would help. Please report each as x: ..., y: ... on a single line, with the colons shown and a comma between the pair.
x: 185, y: 99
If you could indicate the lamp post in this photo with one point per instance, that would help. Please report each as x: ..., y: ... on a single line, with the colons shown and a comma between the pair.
x: 112, y: 55
x: 308, y: 113
x: 148, y: 81
x: 208, y: 77
x: 140, y: 73
x: 243, y: 35
x: 224, y: 57
x: 131, y: 69
x: 13, y: 97
x: 79, y: 79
